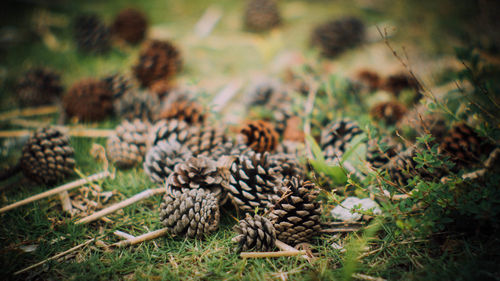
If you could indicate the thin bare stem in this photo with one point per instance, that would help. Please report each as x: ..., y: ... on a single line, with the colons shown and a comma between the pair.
x: 56, y: 190
x: 271, y: 254
x: 142, y: 238
x: 55, y: 257
x: 106, y: 211
x: 43, y: 110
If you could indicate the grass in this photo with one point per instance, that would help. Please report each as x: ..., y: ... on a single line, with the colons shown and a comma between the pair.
x: 211, y: 63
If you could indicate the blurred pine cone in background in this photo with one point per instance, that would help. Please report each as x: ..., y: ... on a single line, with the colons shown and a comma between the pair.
x: 127, y: 146
x: 91, y: 34
x: 260, y: 136
x: 38, y: 86
x: 389, y: 112
x: 398, y: 82
x: 89, y: 100
x: 190, y: 112
x: 158, y: 60
x: 336, y: 36
x: 261, y: 15
x: 130, y: 25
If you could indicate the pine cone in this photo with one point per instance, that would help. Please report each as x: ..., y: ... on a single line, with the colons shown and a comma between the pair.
x: 260, y: 136
x: 334, y: 37
x: 192, y: 214
x: 252, y: 183
x: 137, y: 104
x: 336, y: 136
x: 423, y: 122
x: 158, y: 60
x: 126, y: 148
x: 38, y: 86
x: 91, y: 34
x: 130, y: 25
x: 389, y: 112
x: 162, y: 88
x: 190, y: 112
x: 119, y: 84
x: 255, y: 233
x: 210, y: 142
x: 262, y: 15
x: 296, y: 215
x: 287, y: 166
x: 380, y: 152
x: 265, y: 91
x: 463, y: 145
x: 398, y: 82
x: 47, y: 156
x: 199, y: 173
x: 89, y: 100
x: 169, y: 130
x: 369, y: 78
x: 162, y: 158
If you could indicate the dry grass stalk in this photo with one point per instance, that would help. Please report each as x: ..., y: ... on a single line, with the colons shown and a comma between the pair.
x: 56, y: 190
x: 142, y: 238
x: 138, y: 197
x: 43, y: 110
x: 271, y: 254
x: 55, y: 256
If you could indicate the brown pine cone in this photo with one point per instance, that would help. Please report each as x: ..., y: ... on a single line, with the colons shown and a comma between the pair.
x: 255, y: 233
x: 463, y: 145
x: 260, y: 136
x: 193, y: 214
x: 296, y: 215
x: 158, y: 60
x: 89, y: 100
x: 370, y: 78
x: 38, y: 86
x: 398, y: 82
x: 334, y: 37
x: 261, y: 15
x: 199, y: 173
x: 130, y: 25
x: 47, y: 156
x: 389, y: 112
x: 209, y: 141
x: 190, y: 112
x: 127, y: 147
x: 91, y: 34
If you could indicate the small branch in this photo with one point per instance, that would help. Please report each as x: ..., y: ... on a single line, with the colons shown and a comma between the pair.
x: 225, y: 95
x: 360, y: 276
x: 43, y: 110
x: 66, y: 202
x: 54, y: 257
x: 285, y: 247
x: 56, y: 190
x: 141, y: 238
x: 89, y: 133
x: 271, y: 254
x: 208, y: 21
x: 336, y: 230
x: 106, y: 211
x: 123, y: 235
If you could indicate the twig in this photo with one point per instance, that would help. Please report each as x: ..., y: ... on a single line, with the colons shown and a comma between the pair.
x: 141, y: 238
x: 66, y: 202
x: 54, y: 257
x: 225, y: 95
x: 335, y: 230
x: 208, y: 21
x: 106, y: 211
x: 308, y: 112
x: 285, y: 247
x: 123, y: 235
x: 43, y: 110
x: 56, y: 190
x: 90, y: 133
x: 360, y: 276
x: 271, y: 254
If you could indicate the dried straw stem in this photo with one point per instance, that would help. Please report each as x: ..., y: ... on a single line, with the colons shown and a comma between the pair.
x: 56, y: 190
x: 106, y: 211
x: 43, y: 110
x: 271, y: 254
x: 142, y: 238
